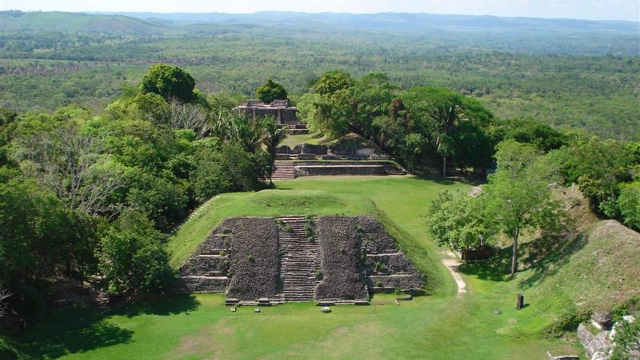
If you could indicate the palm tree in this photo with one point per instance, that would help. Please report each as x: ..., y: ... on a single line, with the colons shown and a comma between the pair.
x: 272, y: 137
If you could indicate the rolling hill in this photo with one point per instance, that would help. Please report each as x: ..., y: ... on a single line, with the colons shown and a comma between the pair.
x: 73, y: 22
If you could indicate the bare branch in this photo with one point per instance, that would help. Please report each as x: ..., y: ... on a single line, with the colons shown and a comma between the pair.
x: 189, y: 116
x: 4, y: 294
x: 71, y: 164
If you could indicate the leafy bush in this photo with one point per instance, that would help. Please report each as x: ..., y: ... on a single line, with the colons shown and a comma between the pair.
x: 132, y: 257
x: 629, y: 205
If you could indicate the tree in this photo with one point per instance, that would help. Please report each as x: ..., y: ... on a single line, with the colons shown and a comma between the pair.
x: 67, y: 161
x: 227, y: 167
x: 273, y: 136
x: 270, y: 91
x: 458, y: 221
x: 629, y: 205
x: 169, y: 82
x: 598, y: 167
x: 4, y: 294
x: 332, y: 81
x: 36, y: 235
x: 518, y: 196
x: 543, y: 136
x: 443, y: 110
x: 132, y: 257
x: 190, y: 116
x: 370, y: 99
x: 7, y: 126
x: 410, y: 149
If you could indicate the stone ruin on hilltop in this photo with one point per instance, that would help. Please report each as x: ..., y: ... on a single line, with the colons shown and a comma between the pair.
x: 330, y: 260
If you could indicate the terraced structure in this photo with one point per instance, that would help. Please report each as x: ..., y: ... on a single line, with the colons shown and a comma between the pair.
x: 331, y: 259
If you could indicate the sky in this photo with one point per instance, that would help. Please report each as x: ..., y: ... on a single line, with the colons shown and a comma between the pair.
x: 575, y: 9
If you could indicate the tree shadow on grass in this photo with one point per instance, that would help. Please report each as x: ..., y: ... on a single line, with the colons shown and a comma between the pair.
x: 548, y: 255
x: 83, y: 328
x: 162, y: 305
x: 493, y: 269
x: 473, y: 180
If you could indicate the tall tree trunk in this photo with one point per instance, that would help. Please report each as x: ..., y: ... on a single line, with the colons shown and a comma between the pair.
x: 444, y: 165
x: 514, y: 255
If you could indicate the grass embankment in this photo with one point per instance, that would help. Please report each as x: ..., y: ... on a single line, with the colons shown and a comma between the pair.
x: 483, y: 324
x: 264, y: 203
x: 596, y: 271
x: 314, y: 138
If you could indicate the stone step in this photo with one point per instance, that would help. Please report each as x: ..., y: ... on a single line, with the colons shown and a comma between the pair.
x: 284, y: 170
x: 212, y: 252
x: 385, y: 254
x: 205, y: 277
x: 301, y: 260
x: 212, y: 256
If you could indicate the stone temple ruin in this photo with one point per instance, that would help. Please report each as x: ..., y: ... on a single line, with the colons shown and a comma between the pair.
x: 280, y: 110
x: 332, y: 260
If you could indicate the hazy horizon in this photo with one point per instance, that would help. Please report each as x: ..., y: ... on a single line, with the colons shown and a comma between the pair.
x: 628, y: 10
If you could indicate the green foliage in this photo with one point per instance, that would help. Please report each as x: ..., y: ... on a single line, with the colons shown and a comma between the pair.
x: 272, y: 137
x: 456, y: 125
x: 627, y: 340
x: 518, y: 196
x: 132, y: 258
x: 598, y: 167
x: 587, y: 83
x: 542, y: 136
x: 270, y: 91
x: 169, y: 82
x: 629, y: 205
x: 331, y: 82
x: 7, y: 126
x: 37, y: 234
x: 226, y: 169
x: 412, y: 148
x: 458, y: 221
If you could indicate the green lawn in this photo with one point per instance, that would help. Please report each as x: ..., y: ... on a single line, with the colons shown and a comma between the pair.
x: 314, y: 138
x: 440, y: 326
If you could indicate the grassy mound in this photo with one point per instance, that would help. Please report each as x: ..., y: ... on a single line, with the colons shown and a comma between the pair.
x: 442, y: 326
x: 264, y: 203
x: 597, y: 270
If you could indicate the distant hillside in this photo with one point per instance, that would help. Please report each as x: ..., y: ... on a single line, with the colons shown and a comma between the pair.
x: 149, y: 22
x: 76, y: 22
x: 404, y: 21
x: 523, y: 35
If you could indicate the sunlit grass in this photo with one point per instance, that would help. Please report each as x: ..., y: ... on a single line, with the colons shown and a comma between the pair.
x: 482, y: 324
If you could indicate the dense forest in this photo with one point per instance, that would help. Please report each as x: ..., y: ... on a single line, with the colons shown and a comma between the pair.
x: 566, y: 73
x: 110, y: 139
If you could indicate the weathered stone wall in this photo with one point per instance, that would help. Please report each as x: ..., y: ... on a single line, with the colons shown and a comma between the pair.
x: 255, y: 262
x: 336, y: 170
x: 374, y: 238
x: 597, y: 346
x: 386, y: 267
x: 342, y: 276
x: 206, y: 265
x: 346, y: 167
x: 202, y: 284
x: 220, y: 237
x: 314, y: 149
x: 206, y: 270
x: 244, y: 256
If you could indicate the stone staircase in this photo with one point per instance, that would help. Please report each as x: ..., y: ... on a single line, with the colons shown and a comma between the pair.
x: 284, y: 170
x: 206, y: 272
x: 301, y: 261
x: 298, y: 129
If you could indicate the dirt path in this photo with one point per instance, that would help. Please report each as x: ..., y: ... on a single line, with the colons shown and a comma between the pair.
x: 452, y: 263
